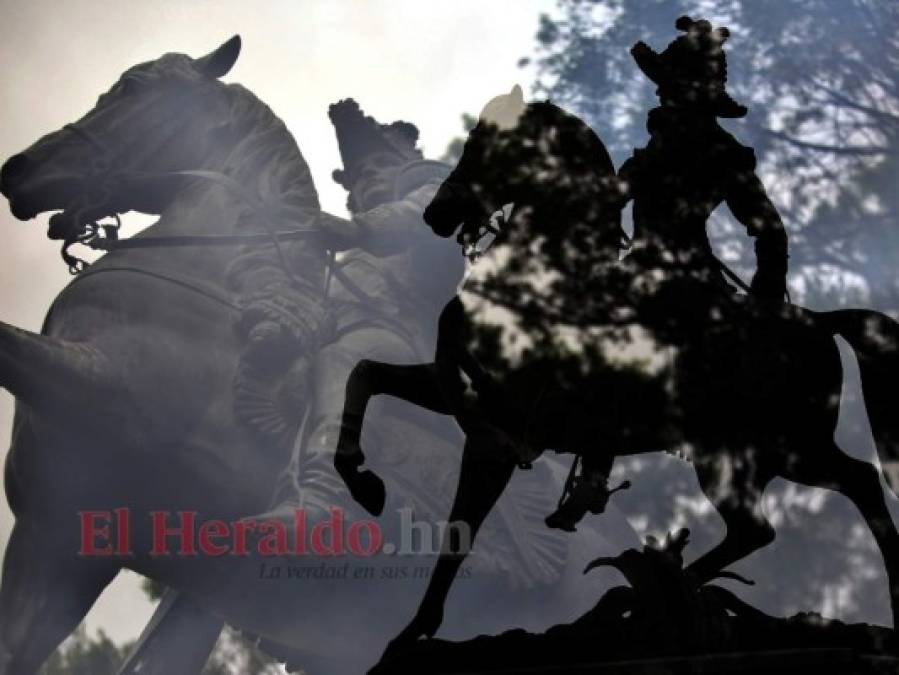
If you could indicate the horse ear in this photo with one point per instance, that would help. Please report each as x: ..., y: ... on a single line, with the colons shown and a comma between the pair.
x: 504, y: 110
x: 218, y: 62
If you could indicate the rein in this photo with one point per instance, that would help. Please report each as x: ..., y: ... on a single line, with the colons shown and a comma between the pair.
x: 104, y: 237
x: 107, y: 243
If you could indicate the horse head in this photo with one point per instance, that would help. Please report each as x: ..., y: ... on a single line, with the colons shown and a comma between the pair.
x: 154, y: 120
x: 546, y: 162
x: 468, y: 197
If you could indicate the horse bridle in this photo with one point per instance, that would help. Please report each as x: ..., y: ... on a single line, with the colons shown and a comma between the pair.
x: 72, y: 226
x: 104, y: 237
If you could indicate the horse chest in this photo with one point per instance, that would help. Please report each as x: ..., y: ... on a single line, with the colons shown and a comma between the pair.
x: 505, y: 329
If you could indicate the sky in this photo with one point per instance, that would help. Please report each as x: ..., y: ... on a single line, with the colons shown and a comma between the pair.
x: 426, y: 62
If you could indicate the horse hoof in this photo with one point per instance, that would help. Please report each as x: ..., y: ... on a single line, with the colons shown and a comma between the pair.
x: 395, y: 647
x: 420, y: 628
x: 368, y: 490
x: 556, y: 521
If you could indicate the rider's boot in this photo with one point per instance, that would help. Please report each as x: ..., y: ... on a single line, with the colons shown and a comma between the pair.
x: 309, y: 483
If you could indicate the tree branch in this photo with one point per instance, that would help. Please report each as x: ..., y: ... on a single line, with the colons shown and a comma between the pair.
x: 849, y: 103
x: 858, y: 150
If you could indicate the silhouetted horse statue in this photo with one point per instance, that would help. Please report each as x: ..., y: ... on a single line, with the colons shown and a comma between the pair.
x: 752, y: 391
x: 127, y: 399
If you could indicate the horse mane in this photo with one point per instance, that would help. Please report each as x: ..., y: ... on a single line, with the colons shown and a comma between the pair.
x: 282, y: 310
x: 266, y: 156
x: 266, y: 159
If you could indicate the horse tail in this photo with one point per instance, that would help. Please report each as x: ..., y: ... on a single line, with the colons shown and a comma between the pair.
x: 874, y: 337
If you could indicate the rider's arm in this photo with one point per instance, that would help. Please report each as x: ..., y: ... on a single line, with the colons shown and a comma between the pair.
x: 748, y: 201
x: 339, y: 233
x: 384, y: 230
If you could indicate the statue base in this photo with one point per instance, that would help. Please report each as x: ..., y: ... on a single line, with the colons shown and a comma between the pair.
x: 828, y: 648
x: 664, y: 623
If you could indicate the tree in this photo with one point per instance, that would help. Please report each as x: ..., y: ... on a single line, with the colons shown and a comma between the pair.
x: 82, y: 655
x: 233, y: 655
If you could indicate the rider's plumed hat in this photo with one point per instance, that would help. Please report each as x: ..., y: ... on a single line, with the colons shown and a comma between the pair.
x: 359, y: 136
x: 692, y: 70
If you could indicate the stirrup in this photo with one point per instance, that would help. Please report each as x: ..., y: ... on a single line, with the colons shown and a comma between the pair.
x: 581, y: 497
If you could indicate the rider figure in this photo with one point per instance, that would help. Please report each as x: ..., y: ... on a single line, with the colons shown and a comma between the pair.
x: 689, y: 167
x: 383, y: 292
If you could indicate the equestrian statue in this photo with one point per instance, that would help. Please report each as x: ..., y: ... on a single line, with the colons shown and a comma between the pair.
x: 751, y: 384
x: 190, y: 364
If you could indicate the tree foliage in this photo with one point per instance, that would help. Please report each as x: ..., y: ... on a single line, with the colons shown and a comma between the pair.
x: 233, y: 655
x: 82, y: 654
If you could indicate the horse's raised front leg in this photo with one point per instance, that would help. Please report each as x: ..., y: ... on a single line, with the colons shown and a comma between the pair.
x: 44, y: 596
x: 417, y: 384
x: 485, y: 473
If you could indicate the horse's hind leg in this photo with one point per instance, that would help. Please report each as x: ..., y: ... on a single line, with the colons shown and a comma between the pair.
x: 417, y: 384
x: 829, y: 467
x: 484, y: 475
x: 44, y: 596
x: 735, y: 490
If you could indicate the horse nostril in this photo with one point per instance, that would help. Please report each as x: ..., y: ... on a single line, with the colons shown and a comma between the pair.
x: 11, y: 171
